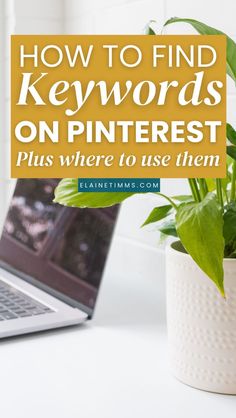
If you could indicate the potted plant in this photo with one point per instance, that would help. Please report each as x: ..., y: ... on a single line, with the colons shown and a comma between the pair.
x: 201, y: 265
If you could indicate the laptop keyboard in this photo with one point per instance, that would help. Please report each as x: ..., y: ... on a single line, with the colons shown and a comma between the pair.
x: 16, y: 304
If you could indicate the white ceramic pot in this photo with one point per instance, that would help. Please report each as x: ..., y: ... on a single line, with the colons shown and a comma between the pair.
x: 201, y: 324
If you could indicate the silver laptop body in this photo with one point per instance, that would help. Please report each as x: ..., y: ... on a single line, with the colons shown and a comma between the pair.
x: 51, y: 260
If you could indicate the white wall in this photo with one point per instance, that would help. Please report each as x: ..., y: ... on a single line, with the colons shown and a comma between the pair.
x: 39, y: 16
x: 6, y: 27
x: 139, y: 246
x: 26, y: 17
x: 136, y: 249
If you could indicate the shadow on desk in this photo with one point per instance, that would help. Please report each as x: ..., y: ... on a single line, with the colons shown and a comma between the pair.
x: 121, y: 303
x: 46, y: 333
x: 130, y: 303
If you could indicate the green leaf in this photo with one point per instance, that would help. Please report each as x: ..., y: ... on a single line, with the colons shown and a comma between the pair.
x: 204, y: 29
x: 157, y: 214
x: 231, y: 134
x: 148, y: 29
x: 211, y: 184
x: 231, y: 151
x: 169, y: 199
x: 183, y: 198
x: 200, y: 229
x: 225, y: 182
x: 67, y: 194
x: 168, y: 228
x: 229, y: 229
x: 231, y: 254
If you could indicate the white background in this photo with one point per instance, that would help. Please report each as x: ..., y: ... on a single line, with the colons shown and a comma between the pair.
x: 115, y: 367
x: 109, y: 17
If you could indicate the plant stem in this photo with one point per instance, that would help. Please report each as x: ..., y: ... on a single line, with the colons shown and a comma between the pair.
x: 219, y: 193
x: 226, y: 197
x: 169, y: 200
x: 232, y: 194
x: 203, y: 187
x: 197, y: 191
x: 194, y: 190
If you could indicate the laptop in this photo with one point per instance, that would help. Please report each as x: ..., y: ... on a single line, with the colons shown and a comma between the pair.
x: 51, y: 260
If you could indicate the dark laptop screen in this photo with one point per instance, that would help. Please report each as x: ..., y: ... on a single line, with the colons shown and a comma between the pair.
x: 63, y: 248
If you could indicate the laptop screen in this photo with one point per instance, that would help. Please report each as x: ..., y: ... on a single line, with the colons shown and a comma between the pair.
x: 64, y: 249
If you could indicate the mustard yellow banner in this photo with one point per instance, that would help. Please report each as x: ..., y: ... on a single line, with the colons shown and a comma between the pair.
x: 118, y: 106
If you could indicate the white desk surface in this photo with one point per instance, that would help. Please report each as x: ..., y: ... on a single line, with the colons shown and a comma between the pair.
x: 114, y: 367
